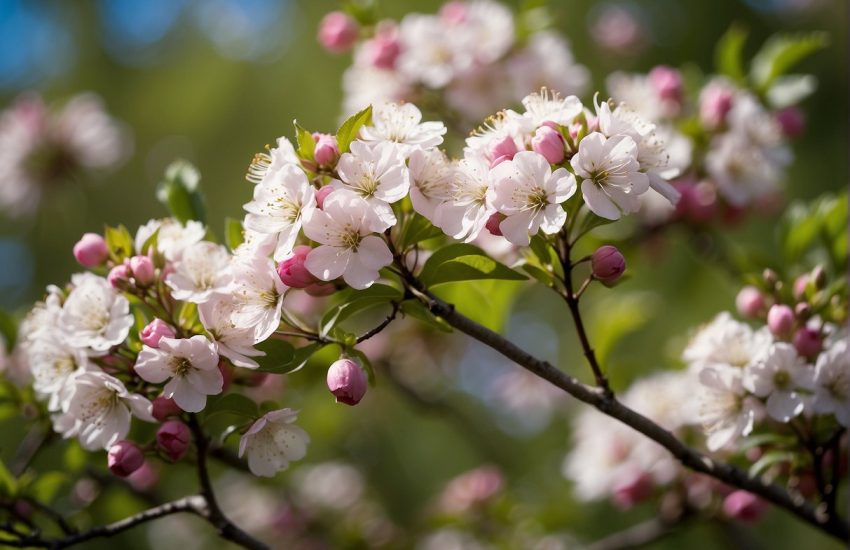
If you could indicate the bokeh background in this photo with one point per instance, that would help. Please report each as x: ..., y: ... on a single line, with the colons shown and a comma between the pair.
x: 213, y: 81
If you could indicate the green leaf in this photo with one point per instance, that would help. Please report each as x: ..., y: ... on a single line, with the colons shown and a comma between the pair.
x: 180, y: 192
x: 589, y: 222
x: 355, y: 302
x: 306, y: 143
x: 8, y: 329
x: 234, y: 234
x: 278, y: 358
x: 350, y: 128
x: 44, y: 488
x: 728, y: 54
x: 539, y: 274
x: 770, y: 458
x: 417, y: 229
x: 780, y: 53
x: 232, y: 403
x: 464, y: 262
x: 303, y: 354
x: 119, y: 242
x: 8, y: 483
x: 151, y: 242
x: 417, y: 310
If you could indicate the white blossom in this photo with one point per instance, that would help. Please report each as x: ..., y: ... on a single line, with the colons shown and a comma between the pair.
x: 189, y: 364
x: 52, y: 362
x: 832, y: 382
x: 431, y: 176
x: 465, y: 213
x: 547, y: 61
x: 94, y: 315
x: 201, y: 272
x: 173, y: 236
x: 725, y: 410
x: 266, y: 165
x: 780, y: 375
x: 430, y: 54
x: 272, y: 442
x: 402, y: 125
x: 257, y: 293
x: 231, y: 340
x: 726, y: 342
x: 546, y: 105
x: 529, y: 194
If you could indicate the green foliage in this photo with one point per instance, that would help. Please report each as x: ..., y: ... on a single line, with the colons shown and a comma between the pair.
x: 8, y: 483
x: 818, y: 229
x: 234, y: 233
x: 780, y: 53
x: 464, y: 262
x: 305, y: 141
x: 180, y: 192
x: 119, y: 241
x: 353, y: 301
x: 231, y: 403
x: 728, y: 54
x: 350, y: 128
x: 416, y: 229
x: 417, y: 310
x: 278, y: 358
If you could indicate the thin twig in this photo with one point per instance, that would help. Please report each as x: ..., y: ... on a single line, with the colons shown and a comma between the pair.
x: 383, y: 324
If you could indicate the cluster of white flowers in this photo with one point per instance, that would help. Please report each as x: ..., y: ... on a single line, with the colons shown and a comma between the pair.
x: 40, y: 148
x: 469, y: 53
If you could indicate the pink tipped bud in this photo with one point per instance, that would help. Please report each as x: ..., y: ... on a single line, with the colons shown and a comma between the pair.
x: 744, y: 506
x: 715, y: 103
x: 792, y: 121
x: 338, y: 32
x: 493, y: 224
x: 347, y: 381
x: 698, y: 201
x: 164, y: 407
x: 667, y: 83
x: 750, y: 302
x: 124, y: 458
x: 154, y: 332
x: 292, y: 271
x: 91, y: 250
x: 800, y: 284
x: 502, y: 149
x: 607, y: 264
x: 780, y: 319
x: 453, y: 13
x: 318, y: 290
x: 322, y: 194
x: 549, y: 143
x: 634, y: 490
x: 327, y: 151
x: 173, y: 438
x: 119, y: 276
x: 383, y: 50
x: 143, y: 270
x: 808, y: 342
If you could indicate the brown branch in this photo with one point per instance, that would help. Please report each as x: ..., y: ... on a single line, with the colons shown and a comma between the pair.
x: 382, y: 325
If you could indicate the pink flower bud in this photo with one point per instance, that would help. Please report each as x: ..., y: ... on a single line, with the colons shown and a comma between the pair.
x: 802, y: 310
x: 143, y: 270
x: 698, y: 201
x: 154, y: 332
x: 667, y: 83
x: 383, y: 50
x: 808, y: 342
x: 91, y: 250
x: 292, y: 271
x: 800, y: 284
x: 633, y: 490
x: 322, y: 194
x: 792, y: 121
x: 124, y: 458
x: 338, y: 32
x: 549, y: 143
x: 144, y: 479
x: 453, y: 13
x: 715, y: 103
x: 119, y: 276
x: 493, y: 224
x: 750, y: 302
x: 173, y: 438
x: 318, y: 290
x: 164, y: 407
x: 501, y: 150
x: 744, y: 506
x: 326, y: 152
x: 780, y: 319
x: 347, y: 381
x: 607, y: 264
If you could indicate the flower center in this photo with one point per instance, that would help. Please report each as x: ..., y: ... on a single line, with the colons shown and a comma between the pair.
x: 781, y: 379
x: 182, y: 366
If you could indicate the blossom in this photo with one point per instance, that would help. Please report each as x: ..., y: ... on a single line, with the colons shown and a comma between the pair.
x: 347, y: 248
x: 280, y: 203
x: 233, y: 341
x: 549, y: 106
x: 97, y: 410
x: 190, y: 365
x: 94, y: 316
x: 200, y: 273
x: 431, y: 175
x: 725, y: 410
x: 402, y: 124
x: 779, y: 376
x: 267, y: 165
x: 832, y: 383
x: 257, y: 293
x: 465, y: 213
x: 611, y: 174
x: 529, y: 194
x: 376, y: 173
x: 430, y: 54
x: 272, y: 442
x: 172, y: 236
x: 726, y: 342
x: 52, y: 362
x: 546, y: 60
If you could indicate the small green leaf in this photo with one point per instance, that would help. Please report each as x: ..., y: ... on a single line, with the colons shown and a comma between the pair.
x: 119, y: 242
x: 278, y: 356
x: 355, y: 302
x: 770, y: 458
x: 464, y: 262
x: 180, y: 192
x: 234, y: 234
x: 303, y: 354
x: 780, y: 53
x: 306, y: 143
x: 417, y: 310
x: 728, y: 54
x: 541, y: 275
x: 8, y: 483
x: 232, y: 403
x: 351, y: 127
x: 417, y: 229
x: 151, y: 242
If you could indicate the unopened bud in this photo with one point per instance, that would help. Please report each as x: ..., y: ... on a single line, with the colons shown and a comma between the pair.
x: 155, y: 331
x: 91, y: 250
x: 326, y: 152
x: 383, y: 50
x: 338, y: 32
x: 143, y: 270
x: 770, y: 277
x: 347, y: 381
x: 164, y: 407
x: 819, y: 277
x: 780, y: 320
x: 124, y: 458
x: 292, y: 271
x: 807, y: 342
x: 322, y: 194
x: 608, y: 264
x: 501, y: 150
x: 493, y: 222
x: 792, y: 121
x: 174, y: 438
x: 750, y: 302
x: 744, y: 506
x: 550, y: 144
x: 633, y: 490
x: 119, y: 276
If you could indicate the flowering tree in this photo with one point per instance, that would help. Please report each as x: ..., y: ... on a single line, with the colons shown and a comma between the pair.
x: 151, y: 354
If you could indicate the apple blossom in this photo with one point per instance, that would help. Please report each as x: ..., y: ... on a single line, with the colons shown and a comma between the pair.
x: 267, y: 165
x: 94, y: 315
x: 726, y: 412
x: 143, y: 270
x: 431, y: 175
x: 257, y: 293
x: 172, y: 236
x: 272, y: 442
x: 402, y: 125
x: 155, y: 331
x: 200, y: 273
x: 832, y: 382
x: 338, y: 32
x: 234, y: 341
x: 550, y: 144
x: 465, y: 213
x: 783, y: 377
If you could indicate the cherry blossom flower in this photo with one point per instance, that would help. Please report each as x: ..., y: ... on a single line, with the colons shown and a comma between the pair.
x: 779, y: 376
x: 529, y: 194
x: 348, y: 249
x: 430, y: 178
x: 189, y: 364
x: 726, y: 342
x: 280, y: 202
x: 547, y: 60
x: 549, y: 106
x: 94, y: 316
x: 97, y: 410
x: 52, y: 362
x: 200, y: 273
x: 611, y: 174
x: 465, y: 213
x: 257, y: 293
x: 231, y: 341
x: 726, y: 411
x: 173, y: 236
x: 266, y: 165
x: 272, y: 442
x: 832, y: 383
x: 402, y: 125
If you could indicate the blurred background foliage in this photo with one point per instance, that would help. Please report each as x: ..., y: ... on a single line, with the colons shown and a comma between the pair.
x: 214, y: 81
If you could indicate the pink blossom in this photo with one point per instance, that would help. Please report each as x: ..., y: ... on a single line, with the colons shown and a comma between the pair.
x: 91, y: 250
x: 347, y: 381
